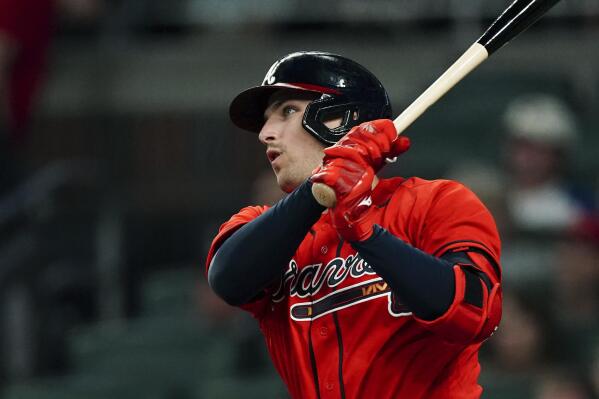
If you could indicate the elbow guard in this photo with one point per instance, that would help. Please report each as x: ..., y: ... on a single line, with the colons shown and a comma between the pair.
x: 475, y: 311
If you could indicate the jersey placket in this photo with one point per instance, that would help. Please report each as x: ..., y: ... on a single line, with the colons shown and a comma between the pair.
x: 324, y: 334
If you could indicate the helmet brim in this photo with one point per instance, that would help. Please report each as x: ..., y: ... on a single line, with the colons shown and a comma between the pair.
x: 247, y: 108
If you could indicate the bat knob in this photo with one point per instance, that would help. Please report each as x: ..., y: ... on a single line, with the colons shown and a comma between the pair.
x: 324, y: 195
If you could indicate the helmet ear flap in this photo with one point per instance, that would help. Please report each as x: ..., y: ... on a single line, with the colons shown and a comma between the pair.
x: 348, y: 118
x: 329, y: 107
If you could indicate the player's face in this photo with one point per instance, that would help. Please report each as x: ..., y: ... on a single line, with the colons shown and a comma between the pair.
x: 293, y: 152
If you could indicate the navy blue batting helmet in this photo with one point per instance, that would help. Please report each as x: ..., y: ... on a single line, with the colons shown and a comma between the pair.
x: 343, y: 88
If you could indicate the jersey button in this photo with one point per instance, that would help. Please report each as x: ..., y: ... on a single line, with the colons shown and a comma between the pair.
x: 329, y: 386
x: 324, y: 249
x: 324, y: 331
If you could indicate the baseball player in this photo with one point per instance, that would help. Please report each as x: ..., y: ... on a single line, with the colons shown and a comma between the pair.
x: 387, y: 295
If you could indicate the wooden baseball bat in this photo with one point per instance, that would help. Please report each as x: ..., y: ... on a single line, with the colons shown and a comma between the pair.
x: 515, y: 19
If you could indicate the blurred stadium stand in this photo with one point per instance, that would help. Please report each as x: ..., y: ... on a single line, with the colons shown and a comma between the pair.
x: 133, y: 164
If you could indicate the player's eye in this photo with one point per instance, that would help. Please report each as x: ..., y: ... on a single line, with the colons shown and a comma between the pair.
x: 288, y: 110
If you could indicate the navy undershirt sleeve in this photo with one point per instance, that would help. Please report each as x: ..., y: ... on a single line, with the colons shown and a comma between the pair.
x: 424, y: 283
x: 255, y: 255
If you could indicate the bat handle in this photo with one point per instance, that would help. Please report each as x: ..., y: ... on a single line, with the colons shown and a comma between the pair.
x: 324, y: 195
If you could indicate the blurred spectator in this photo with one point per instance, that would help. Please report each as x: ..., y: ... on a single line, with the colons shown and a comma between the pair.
x: 26, y: 28
x: 32, y: 324
x: 552, y: 321
x: 542, y: 134
x: 521, y: 343
x: 575, y: 294
x: 518, y: 350
x: 561, y: 384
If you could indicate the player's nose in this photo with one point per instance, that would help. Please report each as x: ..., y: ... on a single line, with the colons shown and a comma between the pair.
x: 269, y: 132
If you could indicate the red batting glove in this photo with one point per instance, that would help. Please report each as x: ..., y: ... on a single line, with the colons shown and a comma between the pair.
x: 352, y: 183
x: 349, y: 168
x: 370, y: 143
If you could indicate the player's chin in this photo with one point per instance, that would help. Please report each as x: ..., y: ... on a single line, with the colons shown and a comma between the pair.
x: 287, y: 183
x: 287, y: 187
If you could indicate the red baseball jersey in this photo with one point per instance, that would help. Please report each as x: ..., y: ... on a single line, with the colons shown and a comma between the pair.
x: 332, y: 326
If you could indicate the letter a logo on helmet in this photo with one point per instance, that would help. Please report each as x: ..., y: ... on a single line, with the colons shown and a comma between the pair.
x: 343, y: 89
x: 270, y: 78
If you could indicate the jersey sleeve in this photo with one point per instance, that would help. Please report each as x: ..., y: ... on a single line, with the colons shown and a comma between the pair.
x: 244, y: 216
x: 456, y: 218
x: 456, y: 221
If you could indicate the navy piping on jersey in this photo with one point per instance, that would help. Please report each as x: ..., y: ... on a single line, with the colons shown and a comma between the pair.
x: 313, y: 361
x: 339, y: 336
x: 473, y: 275
x: 471, y: 248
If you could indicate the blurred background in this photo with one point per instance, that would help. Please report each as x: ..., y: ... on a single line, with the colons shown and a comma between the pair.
x: 118, y: 163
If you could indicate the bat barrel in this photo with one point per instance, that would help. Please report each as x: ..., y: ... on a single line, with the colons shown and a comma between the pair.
x: 514, y: 20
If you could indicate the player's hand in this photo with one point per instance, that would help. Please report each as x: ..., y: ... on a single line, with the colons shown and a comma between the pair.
x: 349, y: 169
x: 352, y: 183
x: 370, y: 143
